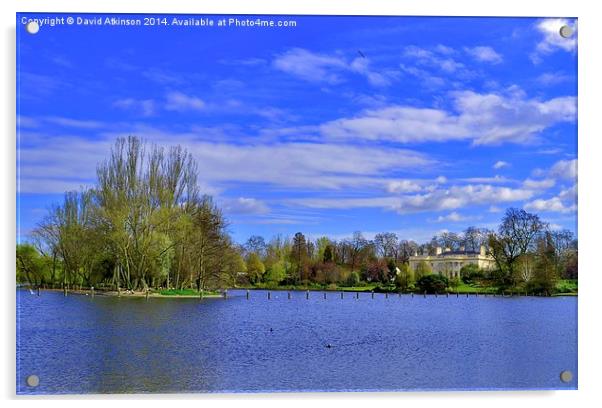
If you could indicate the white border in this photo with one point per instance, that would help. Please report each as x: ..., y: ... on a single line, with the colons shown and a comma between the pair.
x: 590, y: 160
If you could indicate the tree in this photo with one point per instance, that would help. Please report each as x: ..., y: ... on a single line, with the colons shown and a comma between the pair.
x: 30, y: 267
x: 449, y: 240
x: 470, y: 272
x: 357, y: 247
x: 276, y: 273
x: 144, y: 223
x: 474, y: 237
x: 300, y: 258
x: 322, y: 245
x: 526, y: 267
x: 404, y: 278
x: 516, y: 236
x: 405, y: 250
x: 546, y: 273
x: 386, y: 244
x: 377, y: 270
x: 328, y: 255
x: 256, y: 244
x: 255, y: 268
x: 433, y: 283
x: 353, y: 279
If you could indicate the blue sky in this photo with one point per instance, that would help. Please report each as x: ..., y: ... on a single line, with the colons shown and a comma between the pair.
x: 404, y: 124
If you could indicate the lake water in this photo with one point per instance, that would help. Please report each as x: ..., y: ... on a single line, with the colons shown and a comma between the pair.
x: 77, y: 344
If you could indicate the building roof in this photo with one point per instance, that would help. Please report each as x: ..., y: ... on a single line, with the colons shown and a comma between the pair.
x: 460, y: 253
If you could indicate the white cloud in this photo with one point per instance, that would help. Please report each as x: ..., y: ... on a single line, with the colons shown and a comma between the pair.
x: 314, y: 67
x: 362, y: 66
x: 564, y: 202
x: 553, y: 78
x: 554, y: 204
x: 75, y: 123
x: 177, y: 101
x: 439, y: 57
x: 244, y: 206
x: 487, y: 180
x: 428, y: 80
x: 551, y: 40
x: 500, y: 164
x: 457, y: 197
x: 564, y: 169
x: 310, y: 66
x: 144, y: 107
x: 291, y: 165
x: 539, y: 184
x: 485, y: 54
x: 486, y: 119
x: 453, y: 198
x: 403, y: 186
x: 454, y: 217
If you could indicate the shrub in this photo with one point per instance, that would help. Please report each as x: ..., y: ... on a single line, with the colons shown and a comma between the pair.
x: 353, y: 279
x: 433, y: 283
x: 470, y: 273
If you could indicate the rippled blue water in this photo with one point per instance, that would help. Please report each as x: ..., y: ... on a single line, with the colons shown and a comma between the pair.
x: 77, y: 344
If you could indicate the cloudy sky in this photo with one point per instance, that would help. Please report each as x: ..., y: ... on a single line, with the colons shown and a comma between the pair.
x: 410, y: 125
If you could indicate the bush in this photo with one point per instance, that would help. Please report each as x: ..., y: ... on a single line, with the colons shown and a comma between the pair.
x: 433, y: 283
x: 470, y: 273
x: 353, y: 279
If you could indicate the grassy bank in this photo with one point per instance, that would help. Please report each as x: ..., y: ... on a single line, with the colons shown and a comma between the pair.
x: 186, y: 293
x: 563, y: 287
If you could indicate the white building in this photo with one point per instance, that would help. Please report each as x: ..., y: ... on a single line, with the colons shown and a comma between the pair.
x: 449, y: 263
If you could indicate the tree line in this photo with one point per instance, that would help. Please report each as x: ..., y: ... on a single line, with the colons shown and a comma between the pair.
x: 145, y: 224
x: 527, y: 253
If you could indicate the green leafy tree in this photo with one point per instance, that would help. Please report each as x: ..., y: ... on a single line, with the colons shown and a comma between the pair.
x: 405, y: 278
x: 276, y: 273
x: 255, y: 268
x: 433, y: 283
x: 30, y: 265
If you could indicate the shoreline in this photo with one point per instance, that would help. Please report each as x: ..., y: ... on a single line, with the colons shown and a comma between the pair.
x: 125, y: 293
x: 213, y: 295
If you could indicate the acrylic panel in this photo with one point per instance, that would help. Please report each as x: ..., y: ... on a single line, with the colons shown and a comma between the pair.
x: 280, y: 203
